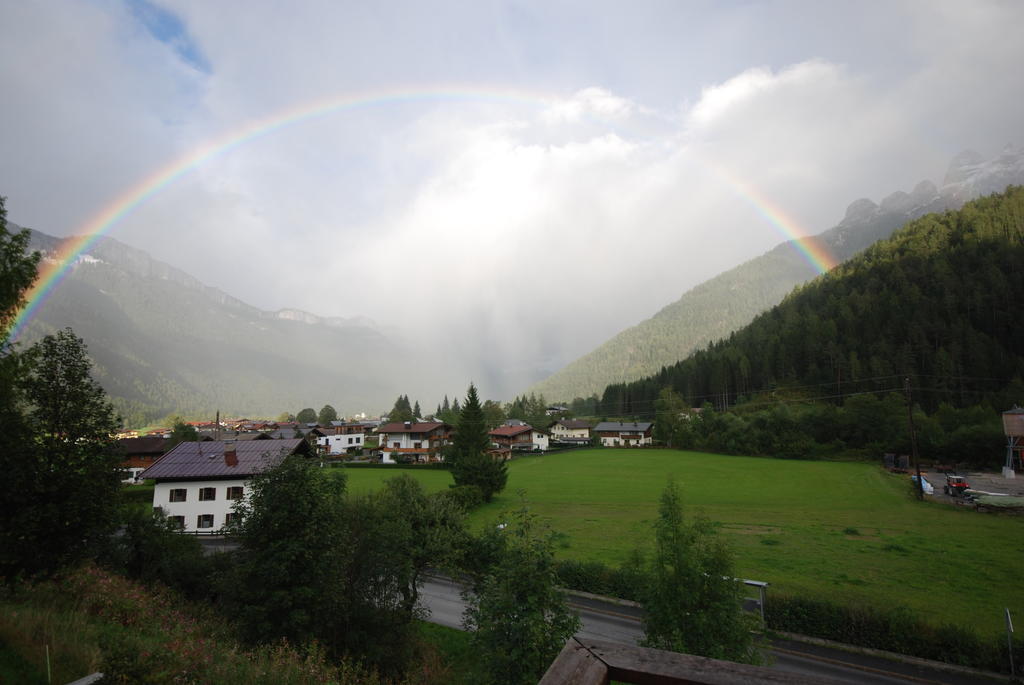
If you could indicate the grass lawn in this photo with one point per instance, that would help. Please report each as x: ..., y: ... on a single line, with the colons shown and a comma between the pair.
x: 845, y: 531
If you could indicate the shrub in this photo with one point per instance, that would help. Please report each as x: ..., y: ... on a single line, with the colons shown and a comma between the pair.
x: 890, y: 629
x: 465, y: 497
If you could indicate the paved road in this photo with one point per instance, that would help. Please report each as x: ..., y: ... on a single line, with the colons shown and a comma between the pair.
x: 621, y: 623
x: 615, y: 623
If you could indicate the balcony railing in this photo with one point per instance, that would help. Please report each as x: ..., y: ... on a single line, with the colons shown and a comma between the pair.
x: 595, y: 662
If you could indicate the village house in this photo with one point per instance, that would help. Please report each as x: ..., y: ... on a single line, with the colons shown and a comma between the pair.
x: 340, y: 437
x: 197, y: 483
x: 571, y: 431
x: 630, y: 434
x: 519, y: 437
x: 142, y: 452
x: 408, y: 441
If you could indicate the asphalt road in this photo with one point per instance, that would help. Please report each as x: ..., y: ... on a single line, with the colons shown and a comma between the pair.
x: 621, y: 623
x: 603, y: 620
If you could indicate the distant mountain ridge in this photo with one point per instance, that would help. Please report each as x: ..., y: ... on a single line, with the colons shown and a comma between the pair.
x: 714, y: 309
x: 141, y: 263
x: 164, y: 342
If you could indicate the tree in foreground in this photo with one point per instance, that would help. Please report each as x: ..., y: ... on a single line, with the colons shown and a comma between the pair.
x: 430, y: 529
x: 517, y: 616
x: 468, y: 456
x: 292, y: 537
x: 692, y: 602
x: 61, y: 486
x: 317, y: 565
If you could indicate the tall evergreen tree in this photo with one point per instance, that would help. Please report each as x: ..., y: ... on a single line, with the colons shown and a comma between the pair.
x: 468, y: 457
x: 402, y: 411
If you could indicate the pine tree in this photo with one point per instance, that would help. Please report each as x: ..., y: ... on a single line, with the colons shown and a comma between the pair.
x: 468, y: 458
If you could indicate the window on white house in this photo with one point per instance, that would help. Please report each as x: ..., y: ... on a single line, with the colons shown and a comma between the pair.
x: 204, y: 521
x: 207, y: 494
x: 230, y: 518
x: 177, y: 521
x: 178, y: 494
x: 235, y: 492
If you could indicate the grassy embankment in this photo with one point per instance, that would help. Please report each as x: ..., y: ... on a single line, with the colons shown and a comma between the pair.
x: 848, y: 532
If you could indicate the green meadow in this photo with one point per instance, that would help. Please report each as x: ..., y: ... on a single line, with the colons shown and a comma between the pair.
x: 843, y: 531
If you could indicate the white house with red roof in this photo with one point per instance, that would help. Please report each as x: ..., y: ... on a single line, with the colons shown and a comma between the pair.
x: 520, y: 437
x: 420, y: 441
x: 197, y: 483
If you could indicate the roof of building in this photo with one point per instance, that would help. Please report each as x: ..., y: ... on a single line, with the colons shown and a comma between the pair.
x: 515, y: 430
x: 409, y: 427
x: 153, y: 444
x: 207, y: 460
x: 573, y: 423
x: 625, y: 427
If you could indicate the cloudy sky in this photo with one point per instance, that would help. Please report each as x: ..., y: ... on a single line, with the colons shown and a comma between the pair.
x: 514, y: 180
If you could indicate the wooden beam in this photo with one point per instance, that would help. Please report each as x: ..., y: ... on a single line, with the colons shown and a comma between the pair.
x: 575, y: 665
x: 644, y: 666
x: 595, y: 662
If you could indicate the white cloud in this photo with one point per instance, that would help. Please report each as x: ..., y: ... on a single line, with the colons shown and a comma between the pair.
x: 524, y: 229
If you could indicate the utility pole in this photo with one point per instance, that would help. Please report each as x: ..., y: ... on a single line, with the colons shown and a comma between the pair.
x: 913, y: 437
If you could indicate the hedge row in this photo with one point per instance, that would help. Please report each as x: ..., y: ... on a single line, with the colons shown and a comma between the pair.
x: 378, y: 465
x: 624, y: 582
x: 893, y: 630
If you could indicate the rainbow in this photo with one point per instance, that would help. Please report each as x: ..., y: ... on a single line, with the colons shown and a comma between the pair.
x: 814, y: 251
x: 56, y: 267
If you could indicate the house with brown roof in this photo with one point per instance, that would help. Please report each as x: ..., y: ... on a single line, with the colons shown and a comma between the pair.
x: 408, y: 441
x: 571, y: 431
x: 520, y: 437
x: 142, y: 452
x: 197, y: 483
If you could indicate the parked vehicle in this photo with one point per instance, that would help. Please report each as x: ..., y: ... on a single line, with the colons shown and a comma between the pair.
x: 955, y: 485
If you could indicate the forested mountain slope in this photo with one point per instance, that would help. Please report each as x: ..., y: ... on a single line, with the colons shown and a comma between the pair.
x: 939, y: 301
x: 163, y: 342
x: 715, y: 308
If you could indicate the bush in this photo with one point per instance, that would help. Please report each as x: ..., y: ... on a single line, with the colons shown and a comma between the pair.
x: 465, y: 497
x: 893, y: 630
x: 148, y: 547
x: 624, y: 582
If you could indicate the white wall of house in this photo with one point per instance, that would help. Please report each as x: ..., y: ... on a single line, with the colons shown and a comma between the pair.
x: 540, y: 440
x: 192, y: 508
x: 388, y: 442
x: 626, y: 439
x: 339, y: 444
x: 560, y: 431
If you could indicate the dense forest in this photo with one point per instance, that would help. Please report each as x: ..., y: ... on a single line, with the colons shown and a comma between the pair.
x: 731, y: 300
x: 937, y: 303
